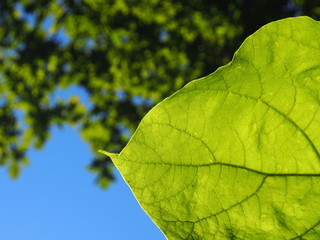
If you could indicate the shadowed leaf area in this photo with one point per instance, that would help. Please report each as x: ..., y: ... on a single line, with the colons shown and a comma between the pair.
x: 235, y: 155
x: 124, y: 56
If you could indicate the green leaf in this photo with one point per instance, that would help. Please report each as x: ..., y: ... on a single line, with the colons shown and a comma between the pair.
x: 235, y: 155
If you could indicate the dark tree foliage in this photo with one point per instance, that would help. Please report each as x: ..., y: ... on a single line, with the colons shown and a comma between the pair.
x: 125, y: 54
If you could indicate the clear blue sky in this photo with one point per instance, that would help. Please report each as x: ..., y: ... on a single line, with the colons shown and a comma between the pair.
x: 56, y: 197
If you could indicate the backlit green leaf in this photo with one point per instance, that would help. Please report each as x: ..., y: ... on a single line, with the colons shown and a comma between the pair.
x: 235, y: 155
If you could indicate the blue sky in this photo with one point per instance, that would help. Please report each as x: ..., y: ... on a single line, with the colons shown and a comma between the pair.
x: 56, y: 198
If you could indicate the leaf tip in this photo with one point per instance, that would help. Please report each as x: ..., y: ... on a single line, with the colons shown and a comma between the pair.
x: 109, y: 154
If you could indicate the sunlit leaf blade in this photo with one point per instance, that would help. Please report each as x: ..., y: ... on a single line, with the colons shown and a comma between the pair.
x: 235, y: 155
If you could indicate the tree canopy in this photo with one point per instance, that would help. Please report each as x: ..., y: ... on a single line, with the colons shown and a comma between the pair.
x: 127, y: 55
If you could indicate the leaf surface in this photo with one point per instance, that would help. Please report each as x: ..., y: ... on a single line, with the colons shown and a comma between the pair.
x: 235, y: 155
